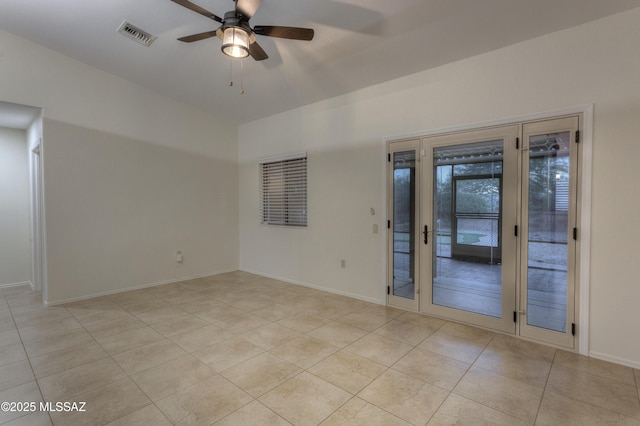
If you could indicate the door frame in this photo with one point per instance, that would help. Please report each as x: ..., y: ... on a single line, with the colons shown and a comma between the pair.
x: 584, y: 200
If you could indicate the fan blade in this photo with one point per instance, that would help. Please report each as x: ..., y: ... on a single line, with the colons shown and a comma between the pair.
x: 256, y: 52
x: 198, y: 9
x: 248, y: 8
x: 196, y: 37
x: 285, y: 32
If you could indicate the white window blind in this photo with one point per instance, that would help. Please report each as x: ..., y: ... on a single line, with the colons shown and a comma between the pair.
x: 283, y: 198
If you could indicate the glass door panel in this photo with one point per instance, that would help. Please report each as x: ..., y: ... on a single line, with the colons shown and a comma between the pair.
x: 549, y: 217
x: 465, y: 177
x: 548, y: 213
x: 466, y: 270
x: 403, y: 245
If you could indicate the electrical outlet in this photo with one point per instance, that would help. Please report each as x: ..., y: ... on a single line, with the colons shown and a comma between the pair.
x: 179, y: 256
x: 343, y: 263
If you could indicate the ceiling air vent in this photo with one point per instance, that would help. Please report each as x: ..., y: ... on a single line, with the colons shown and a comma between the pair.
x: 136, y: 34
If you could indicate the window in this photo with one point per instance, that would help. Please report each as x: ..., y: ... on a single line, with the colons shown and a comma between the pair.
x: 283, y: 191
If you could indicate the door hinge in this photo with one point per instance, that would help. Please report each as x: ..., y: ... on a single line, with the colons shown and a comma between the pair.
x: 426, y: 234
x: 515, y: 316
x: 573, y: 329
x: 517, y: 143
x: 388, y: 224
x: 577, y: 136
x: 388, y: 290
x: 389, y: 158
x: 515, y: 230
x: 575, y: 234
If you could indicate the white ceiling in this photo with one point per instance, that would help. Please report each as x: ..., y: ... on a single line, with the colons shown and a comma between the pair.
x: 357, y: 43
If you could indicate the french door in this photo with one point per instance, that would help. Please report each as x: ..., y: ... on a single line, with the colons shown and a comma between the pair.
x: 482, y: 224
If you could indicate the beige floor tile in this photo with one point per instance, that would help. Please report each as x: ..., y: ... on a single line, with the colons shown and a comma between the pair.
x: 253, y: 414
x: 501, y: 393
x: 557, y: 409
x: 200, y: 338
x: 605, y: 393
x: 130, y: 339
x: 228, y: 353
x: 200, y: 304
x: 204, y: 403
x: 148, y: 356
x: 251, y: 303
x: 305, y: 399
x: 27, y: 392
x: 87, y: 306
x: 405, y: 332
x: 56, y: 342
x: 348, y: 371
x: 502, y: 342
x: 457, y: 410
x: 163, y: 380
x: 14, y: 374
x: 534, y: 371
x: 12, y: 353
x: 179, y: 325
x: 338, y: 334
x: 594, y: 367
x: 218, y: 313
x: 105, y: 329
x: 379, y: 349
x: 145, y: 305
x: 67, y: 358
x: 9, y: 337
x: 165, y: 313
x: 102, y: 315
x: 432, y: 368
x: 68, y: 383
x: 422, y: 320
x: 403, y: 396
x: 304, y: 351
x: 37, y: 418
x: 104, y: 404
x: 365, y: 320
x: 48, y: 329
x: 304, y: 322
x: 241, y: 323
x: 358, y: 412
x: 383, y: 311
x: 275, y: 312
x: 146, y: 416
x: 458, y: 341
x: 260, y: 374
x: 270, y: 336
x: 39, y: 314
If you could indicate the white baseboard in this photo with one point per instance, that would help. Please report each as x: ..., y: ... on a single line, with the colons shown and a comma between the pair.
x: 316, y: 287
x: 136, y: 287
x: 17, y: 284
x: 615, y: 359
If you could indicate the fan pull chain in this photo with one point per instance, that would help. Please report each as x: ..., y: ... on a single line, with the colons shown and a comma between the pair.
x: 242, y: 76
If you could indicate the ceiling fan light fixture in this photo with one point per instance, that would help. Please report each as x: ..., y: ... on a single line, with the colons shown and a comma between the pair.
x: 235, y: 42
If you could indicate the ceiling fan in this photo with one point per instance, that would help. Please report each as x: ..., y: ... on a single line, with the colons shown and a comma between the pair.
x: 238, y: 38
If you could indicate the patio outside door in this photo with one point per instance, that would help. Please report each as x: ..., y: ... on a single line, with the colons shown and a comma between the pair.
x: 483, y: 227
x: 469, y: 204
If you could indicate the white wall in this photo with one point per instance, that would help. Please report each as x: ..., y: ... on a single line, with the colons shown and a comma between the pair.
x: 593, y: 63
x: 15, y: 248
x: 130, y: 176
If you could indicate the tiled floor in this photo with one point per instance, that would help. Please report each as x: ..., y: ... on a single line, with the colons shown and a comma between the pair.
x: 238, y: 349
